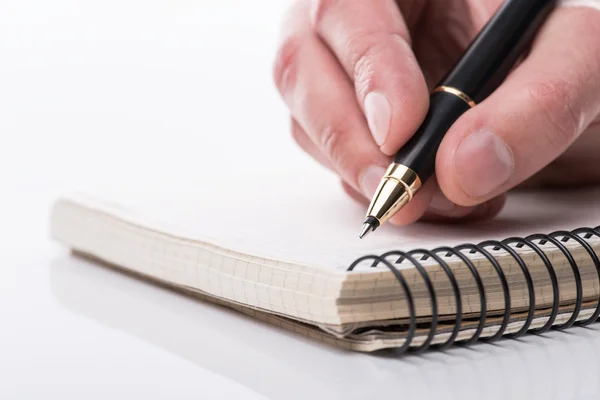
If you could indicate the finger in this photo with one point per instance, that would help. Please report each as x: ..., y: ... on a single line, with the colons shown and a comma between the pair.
x: 480, y: 212
x: 431, y: 204
x: 578, y: 166
x: 357, y: 196
x: 441, y: 209
x: 372, y: 43
x: 304, y: 142
x: 531, y: 119
x: 320, y: 98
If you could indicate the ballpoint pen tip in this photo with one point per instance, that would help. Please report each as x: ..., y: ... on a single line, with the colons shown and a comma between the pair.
x: 366, y: 228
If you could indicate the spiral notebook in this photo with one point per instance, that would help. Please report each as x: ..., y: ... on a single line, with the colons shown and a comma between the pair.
x: 282, y: 246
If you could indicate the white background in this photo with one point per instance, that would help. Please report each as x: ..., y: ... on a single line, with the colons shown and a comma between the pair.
x: 91, y: 89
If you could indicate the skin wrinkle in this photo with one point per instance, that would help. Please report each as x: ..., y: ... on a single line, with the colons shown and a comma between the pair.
x: 553, y: 92
x: 364, y: 70
x: 366, y: 77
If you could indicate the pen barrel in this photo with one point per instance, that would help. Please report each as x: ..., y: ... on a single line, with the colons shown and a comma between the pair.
x: 420, y: 151
x: 496, y: 49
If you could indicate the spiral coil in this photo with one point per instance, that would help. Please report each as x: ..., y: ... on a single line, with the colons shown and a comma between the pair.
x: 457, y: 251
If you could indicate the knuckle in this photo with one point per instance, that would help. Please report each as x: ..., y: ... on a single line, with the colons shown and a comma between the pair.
x: 362, y: 59
x: 332, y: 144
x: 360, y: 46
x: 369, y: 52
x: 284, y: 66
x: 555, y: 100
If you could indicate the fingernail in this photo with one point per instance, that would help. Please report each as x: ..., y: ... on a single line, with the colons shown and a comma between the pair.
x: 482, y: 163
x: 370, y: 180
x: 378, y: 112
x: 440, y: 204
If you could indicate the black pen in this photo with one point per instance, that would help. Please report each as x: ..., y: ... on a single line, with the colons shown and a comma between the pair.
x: 482, y: 68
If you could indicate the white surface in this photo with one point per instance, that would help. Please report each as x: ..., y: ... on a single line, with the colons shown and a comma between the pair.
x: 94, y: 89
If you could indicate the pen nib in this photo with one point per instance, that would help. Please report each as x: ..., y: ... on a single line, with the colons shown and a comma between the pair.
x: 366, y: 228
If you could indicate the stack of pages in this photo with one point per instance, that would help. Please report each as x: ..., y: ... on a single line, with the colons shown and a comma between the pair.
x: 283, y: 246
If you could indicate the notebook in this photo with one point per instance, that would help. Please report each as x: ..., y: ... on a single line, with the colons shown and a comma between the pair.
x: 281, y: 244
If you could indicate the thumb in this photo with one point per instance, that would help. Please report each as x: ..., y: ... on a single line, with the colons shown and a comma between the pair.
x: 537, y: 113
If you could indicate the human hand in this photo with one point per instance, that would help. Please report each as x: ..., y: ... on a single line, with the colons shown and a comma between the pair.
x: 356, y: 77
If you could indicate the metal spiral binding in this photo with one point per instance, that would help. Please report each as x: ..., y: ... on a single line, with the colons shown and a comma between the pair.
x: 458, y: 251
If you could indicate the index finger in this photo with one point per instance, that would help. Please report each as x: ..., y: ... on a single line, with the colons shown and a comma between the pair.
x: 372, y: 43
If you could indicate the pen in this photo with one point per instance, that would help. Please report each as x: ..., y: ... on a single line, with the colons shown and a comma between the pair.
x: 481, y: 69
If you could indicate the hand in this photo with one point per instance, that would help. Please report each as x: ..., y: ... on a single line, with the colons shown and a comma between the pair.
x: 356, y: 77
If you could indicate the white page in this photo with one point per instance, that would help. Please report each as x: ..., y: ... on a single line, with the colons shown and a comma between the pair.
x: 303, y: 216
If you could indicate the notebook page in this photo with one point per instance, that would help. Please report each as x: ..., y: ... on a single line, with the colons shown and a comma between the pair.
x: 210, y: 156
x: 302, y: 215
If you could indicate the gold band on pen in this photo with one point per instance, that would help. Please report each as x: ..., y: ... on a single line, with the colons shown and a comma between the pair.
x: 404, y: 176
x: 395, y: 190
x: 463, y: 96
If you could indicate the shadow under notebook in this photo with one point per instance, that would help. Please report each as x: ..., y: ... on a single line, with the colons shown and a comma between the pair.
x: 271, y: 361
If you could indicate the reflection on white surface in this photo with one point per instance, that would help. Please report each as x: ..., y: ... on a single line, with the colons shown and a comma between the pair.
x: 277, y: 364
x: 97, y: 89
